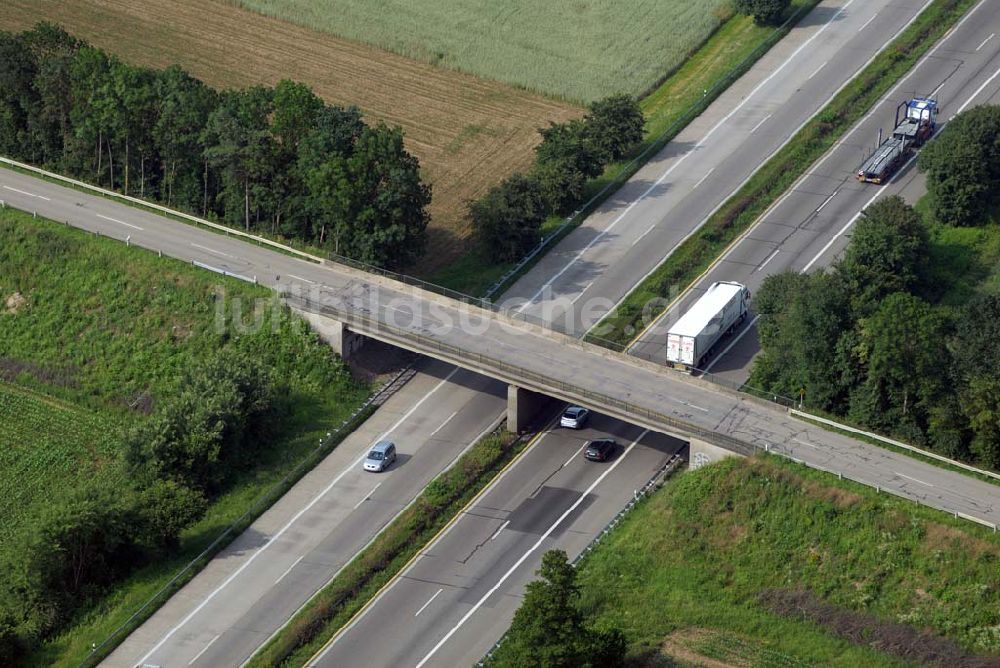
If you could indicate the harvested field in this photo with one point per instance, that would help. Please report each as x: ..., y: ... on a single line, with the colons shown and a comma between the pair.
x: 574, y: 50
x: 468, y: 133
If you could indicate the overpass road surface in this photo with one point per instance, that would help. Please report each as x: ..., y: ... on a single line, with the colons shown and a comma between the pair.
x: 763, y: 99
x: 811, y: 224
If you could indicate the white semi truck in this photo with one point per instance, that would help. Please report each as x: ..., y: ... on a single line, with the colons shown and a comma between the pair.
x: 718, y: 312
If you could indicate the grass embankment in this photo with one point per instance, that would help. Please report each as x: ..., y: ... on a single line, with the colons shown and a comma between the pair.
x: 688, y: 260
x: 377, y: 564
x: 669, y: 107
x: 97, y: 334
x: 762, y: 562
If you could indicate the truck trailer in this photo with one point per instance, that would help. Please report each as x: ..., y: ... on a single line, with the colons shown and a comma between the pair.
x: 718, y: 313
x: 916, y: 120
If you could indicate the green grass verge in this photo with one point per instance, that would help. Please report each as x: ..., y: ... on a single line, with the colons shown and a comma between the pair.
x: 686, y: 569
x: 691, y: 258
x: 334, y: 605
x: 99, y: 332
x: 680, y: 98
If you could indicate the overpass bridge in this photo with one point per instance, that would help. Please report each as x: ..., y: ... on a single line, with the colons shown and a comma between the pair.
x: 537, y: 363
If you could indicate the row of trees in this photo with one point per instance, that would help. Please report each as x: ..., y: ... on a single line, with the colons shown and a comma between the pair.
x: 221, y: 416
x: 272, y: 160
x: 763, y: 11
x: 508, y: 219
x: 866, y: 341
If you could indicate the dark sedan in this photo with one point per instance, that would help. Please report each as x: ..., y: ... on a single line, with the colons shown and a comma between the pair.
x: 600, y: 450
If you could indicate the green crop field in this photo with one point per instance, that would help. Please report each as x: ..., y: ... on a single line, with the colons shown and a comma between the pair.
x: 579, y: 51
x: 763, y: 562
x: 47, y: 446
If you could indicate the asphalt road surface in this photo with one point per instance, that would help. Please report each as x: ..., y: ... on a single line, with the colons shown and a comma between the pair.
x: 811, y: 224
x: 596, y: 266
x: 845, y: 41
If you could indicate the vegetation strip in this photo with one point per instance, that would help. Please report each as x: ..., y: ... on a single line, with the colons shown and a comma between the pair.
x: 688, y: 260
x: 377, y: 565
x: 762, y: 562
x: 684, y: 94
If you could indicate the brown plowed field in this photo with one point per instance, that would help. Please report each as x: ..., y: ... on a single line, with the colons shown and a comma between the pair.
x: 468, y: 133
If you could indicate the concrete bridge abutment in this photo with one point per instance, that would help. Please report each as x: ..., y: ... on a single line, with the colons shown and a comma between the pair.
x: 335, y: 333
x: 524, y: 407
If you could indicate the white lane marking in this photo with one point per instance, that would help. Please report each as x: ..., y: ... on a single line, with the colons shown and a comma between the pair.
x: 677, y: 164
x: 829, y: 154
x: 868, y: 22
x: 978, y: 91
x: 730, y: 346
x: 120, y: 222
x: 355, y: 621
x: 527, y: 554
x: 992, y: 35
x: 441, y: 426
x: 24, y: 192
x: 205, y: 649
x: 574, y: 456
x: 816, y: 71
x: 299, y: 278
x: 367, y: 496
x: 913, y: 479
x: 429, y: 602
x: 690, y: 405
x: 805, y: 443
x: 827, y: 201
x: 762, y: 121
x: 702, y: 179
x: 640, y: 237
x: 769, y: 258
x: 581, y: 293
x: 497, y: 532
x: 290, y: 522
x: 289, y: 570
x: 211, y: 250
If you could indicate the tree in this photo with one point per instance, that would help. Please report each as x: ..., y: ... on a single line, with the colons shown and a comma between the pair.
x: 185, y: 105
x: 762, y: 11
x: 163, y: 509
x: 887, y: 253
x: 903, y: 351
x: 548, y: 630
x: 615, y: 125
x: 560, y: 183
x: 572, y: 145
x: 238, y: 142
x: 963, y: 167
x: 802, y: 320
x: 982, y: 406
x: 18, y: 97
x: 50, y: 125
x: 977, y: 338
x: 377, y: 199
x: 507, y: 220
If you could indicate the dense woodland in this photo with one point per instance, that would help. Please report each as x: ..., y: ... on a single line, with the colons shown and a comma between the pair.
x: 874, y: 340
x: 269, y: 160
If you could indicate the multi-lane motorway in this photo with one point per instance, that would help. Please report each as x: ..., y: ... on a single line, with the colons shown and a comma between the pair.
x: 218, y: 618
x: 810, y: 225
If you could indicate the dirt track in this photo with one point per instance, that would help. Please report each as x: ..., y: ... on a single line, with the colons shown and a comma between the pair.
x: 467, y: 133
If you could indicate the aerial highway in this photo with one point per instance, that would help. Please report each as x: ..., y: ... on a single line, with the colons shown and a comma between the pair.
x: 777, y: 95
x: 810, y: 225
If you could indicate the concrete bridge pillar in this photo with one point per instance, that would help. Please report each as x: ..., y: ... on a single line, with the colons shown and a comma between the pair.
x: 523, y: 406
x: 701, y: 453
x: 343, y: 341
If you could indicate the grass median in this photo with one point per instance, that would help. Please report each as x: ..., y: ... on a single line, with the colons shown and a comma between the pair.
x: 682, y: 95
x: 375, y: 566
x: 691, y: 258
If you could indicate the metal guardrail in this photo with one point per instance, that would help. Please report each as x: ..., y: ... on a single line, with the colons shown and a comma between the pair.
x: 516, y: 373
x: 263, y: 503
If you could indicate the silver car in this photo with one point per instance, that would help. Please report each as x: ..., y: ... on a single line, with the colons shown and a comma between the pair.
x: 575, y: 417
x: 381, y: 456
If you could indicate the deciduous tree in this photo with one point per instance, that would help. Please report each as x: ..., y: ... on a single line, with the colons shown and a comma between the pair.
x: 508, y: 219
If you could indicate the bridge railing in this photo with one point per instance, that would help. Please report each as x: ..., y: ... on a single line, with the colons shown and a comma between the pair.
x: 364, y: 323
